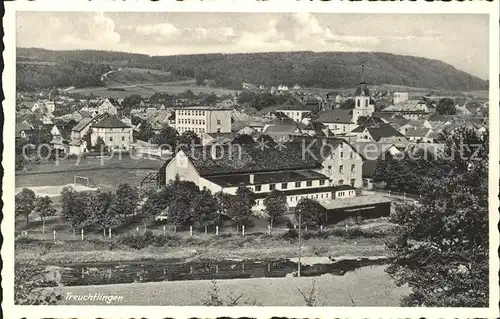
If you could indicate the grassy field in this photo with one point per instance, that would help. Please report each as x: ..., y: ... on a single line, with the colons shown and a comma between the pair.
x: 148, y: 89
x: 366, y: 286
x: 107, y: 173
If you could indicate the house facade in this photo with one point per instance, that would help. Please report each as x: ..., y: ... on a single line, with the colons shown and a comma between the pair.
x: 115, y: 134
x: 295, y: 114
x: 108, y: 106
x: 202, y: 119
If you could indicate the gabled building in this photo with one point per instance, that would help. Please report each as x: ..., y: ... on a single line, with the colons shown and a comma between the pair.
x: 296, y: 113
x: 109, y: 106
x: 410, y: 109
x: 81, y: 128
x: 338, y: 121
x: 115, y: 134
x: 383, y: 133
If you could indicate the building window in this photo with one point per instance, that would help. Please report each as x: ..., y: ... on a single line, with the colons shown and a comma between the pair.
x: 321, y: 195
x: 258, y: 188
x: 123, y: 138
x: 341, y: 154
x: 322, y: 182
x: 297, y: 184
x: 111, y: 139
x: 353, y: 168
x: 341, y: 182
x: 284, y: 185
x: 309, y: 183
x: 330, y: 167
x: 272, y: 187
x: 296, y: 198
x: 353, y: 181
x: 341, y: 168
x: 218, y: 122
x: 218, y: 130
x: 351, y: 156
x: 358, y: 103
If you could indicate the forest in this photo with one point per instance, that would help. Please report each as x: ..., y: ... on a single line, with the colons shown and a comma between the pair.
x: 81, y: 68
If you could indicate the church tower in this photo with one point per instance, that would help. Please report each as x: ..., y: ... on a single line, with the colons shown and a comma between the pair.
x: 363, y: 104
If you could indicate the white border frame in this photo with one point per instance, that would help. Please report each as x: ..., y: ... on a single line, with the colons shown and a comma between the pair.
x: 8, y: 77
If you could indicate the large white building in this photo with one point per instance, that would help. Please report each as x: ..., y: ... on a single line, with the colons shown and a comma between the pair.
x: 202, y: 119
x: 310, y: 169
x: 114, y: 133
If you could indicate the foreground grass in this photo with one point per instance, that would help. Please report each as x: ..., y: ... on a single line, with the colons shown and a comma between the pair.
x: 367, y: 286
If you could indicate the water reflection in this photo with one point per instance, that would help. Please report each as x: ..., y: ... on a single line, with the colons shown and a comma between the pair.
x: 147, y: 271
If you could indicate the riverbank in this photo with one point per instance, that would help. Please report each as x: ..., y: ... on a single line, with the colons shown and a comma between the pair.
x: 244, y: 248
x: 366, y: 286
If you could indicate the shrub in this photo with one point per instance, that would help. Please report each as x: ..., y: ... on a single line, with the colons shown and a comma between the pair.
x: 290, y: 234
x: 355, y: 232
x: 308, y: 235
x: 323, y: 234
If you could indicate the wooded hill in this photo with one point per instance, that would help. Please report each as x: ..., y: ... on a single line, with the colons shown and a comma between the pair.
x: 309, y: 69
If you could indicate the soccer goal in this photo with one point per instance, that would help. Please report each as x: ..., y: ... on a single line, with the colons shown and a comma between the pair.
x: 85, y: 181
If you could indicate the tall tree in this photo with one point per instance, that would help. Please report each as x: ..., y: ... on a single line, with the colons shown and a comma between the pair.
x: 43, y: 207
x: 167, y: 136
x: 181, y: 207
x: 145, y: 131
x: 25, y: 202
x: 73, y: 206
x: 189, y: 137
x: 124, y: 201
x: 206, y: 209
x: 98, y: 214
x: 240, y: 206
x: 243, y: 139
x: 99, y: 144
x: 310, y: 211
x: 157, y: 202
x: 441, y: 250
x: 276, y: 205
x: 446, y: 106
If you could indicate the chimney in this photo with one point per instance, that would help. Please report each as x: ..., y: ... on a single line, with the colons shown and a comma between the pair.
x: 251, y: 177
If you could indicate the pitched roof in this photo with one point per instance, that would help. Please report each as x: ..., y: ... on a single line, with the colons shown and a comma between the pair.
x: 111, y: 122
x: 281, y: 128
x: 335, y: 116
x: 369, y: 120
x: 417, y: 132
x: 82, y: 124
x: 371, y: 150
x: 232, y: 159
x: 407, y: 106
x: 383, y: 130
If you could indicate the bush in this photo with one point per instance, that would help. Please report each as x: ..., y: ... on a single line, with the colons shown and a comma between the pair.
x: 355, y: 232
x: 308, y: 235
x: 323, y: 234
x: 290, y: 234
x: 148, y: 239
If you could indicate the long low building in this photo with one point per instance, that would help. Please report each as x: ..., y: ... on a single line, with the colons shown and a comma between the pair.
x: 368, y: 206
x: 224, y: 168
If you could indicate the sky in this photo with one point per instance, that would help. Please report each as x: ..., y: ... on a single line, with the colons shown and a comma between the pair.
x: 458, y: 39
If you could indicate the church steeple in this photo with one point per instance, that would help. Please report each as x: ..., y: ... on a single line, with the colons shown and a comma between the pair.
x: 362, y: 73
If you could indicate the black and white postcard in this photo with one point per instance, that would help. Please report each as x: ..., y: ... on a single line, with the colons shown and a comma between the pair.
x: 297, y: 160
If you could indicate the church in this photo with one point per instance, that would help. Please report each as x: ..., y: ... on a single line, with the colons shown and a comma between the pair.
x: 364, y: 105
x: 343, y: 121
